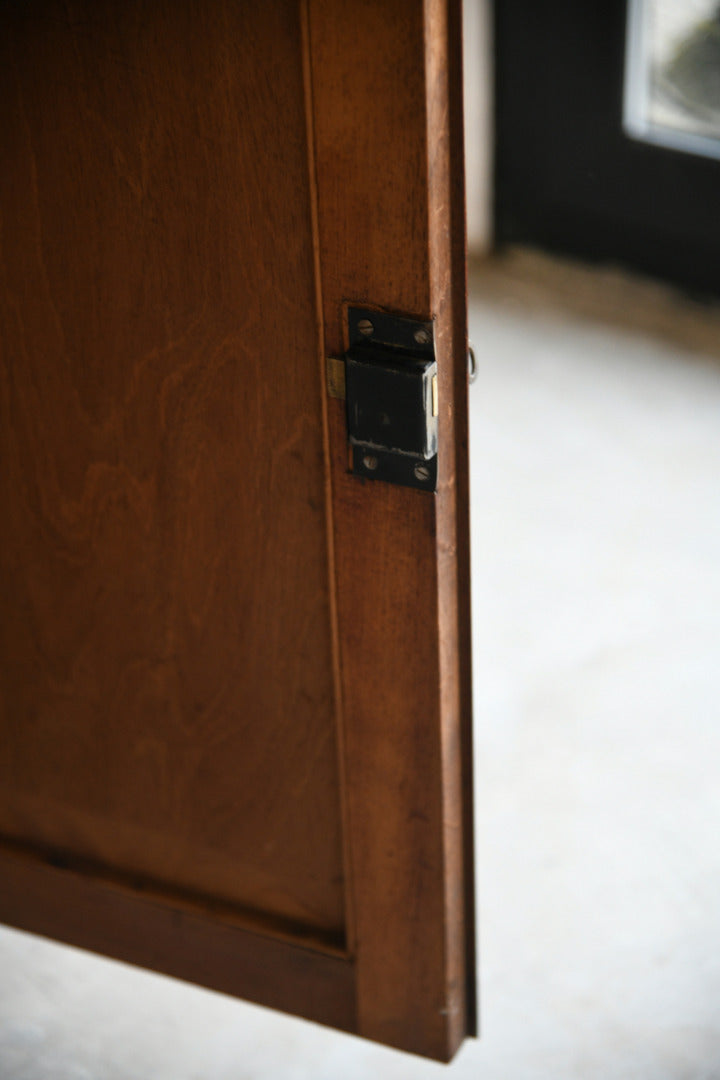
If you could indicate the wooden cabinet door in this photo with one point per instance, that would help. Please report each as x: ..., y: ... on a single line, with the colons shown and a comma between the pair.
x: 234, y: 685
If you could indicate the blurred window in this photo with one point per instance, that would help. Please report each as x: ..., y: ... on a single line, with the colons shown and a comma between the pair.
x: 672, y: 74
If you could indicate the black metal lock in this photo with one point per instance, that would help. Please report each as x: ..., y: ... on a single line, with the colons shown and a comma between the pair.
x: 392, y: 402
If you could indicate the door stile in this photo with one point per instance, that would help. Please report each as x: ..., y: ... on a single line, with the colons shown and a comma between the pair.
x: 379, y: 75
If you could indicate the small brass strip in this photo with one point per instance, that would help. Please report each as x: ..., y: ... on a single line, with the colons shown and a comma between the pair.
x: 336, y: 378
x: 434, y: 395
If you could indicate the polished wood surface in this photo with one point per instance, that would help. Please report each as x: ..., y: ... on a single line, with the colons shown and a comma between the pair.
x: 235, y: 692
x: 383, y: 160
x: 177, y: 939
x: 167, y: 686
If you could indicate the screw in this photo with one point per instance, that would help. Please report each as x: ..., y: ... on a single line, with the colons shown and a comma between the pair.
x: 365, y: 327
x: 422, y: 472
x: 421, y: 336
x: 370, y: 462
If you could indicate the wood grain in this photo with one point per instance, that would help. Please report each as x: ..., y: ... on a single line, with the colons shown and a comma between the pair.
x: 235, y: 686
x: 385, y: 178
x: 176, y: 940
x: 450, y: 68
x: 166, y: 693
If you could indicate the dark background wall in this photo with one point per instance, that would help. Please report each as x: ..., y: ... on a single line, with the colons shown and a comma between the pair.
x: 566, y: 177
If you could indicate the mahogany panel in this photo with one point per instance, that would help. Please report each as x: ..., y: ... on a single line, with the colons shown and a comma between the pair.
x: 166, y: 693
x: 235, y: 698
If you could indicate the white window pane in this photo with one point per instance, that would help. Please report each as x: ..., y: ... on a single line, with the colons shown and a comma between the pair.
x: 672, y: 74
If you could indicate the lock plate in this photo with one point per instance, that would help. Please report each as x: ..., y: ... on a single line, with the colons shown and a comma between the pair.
x: 391, y: 395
